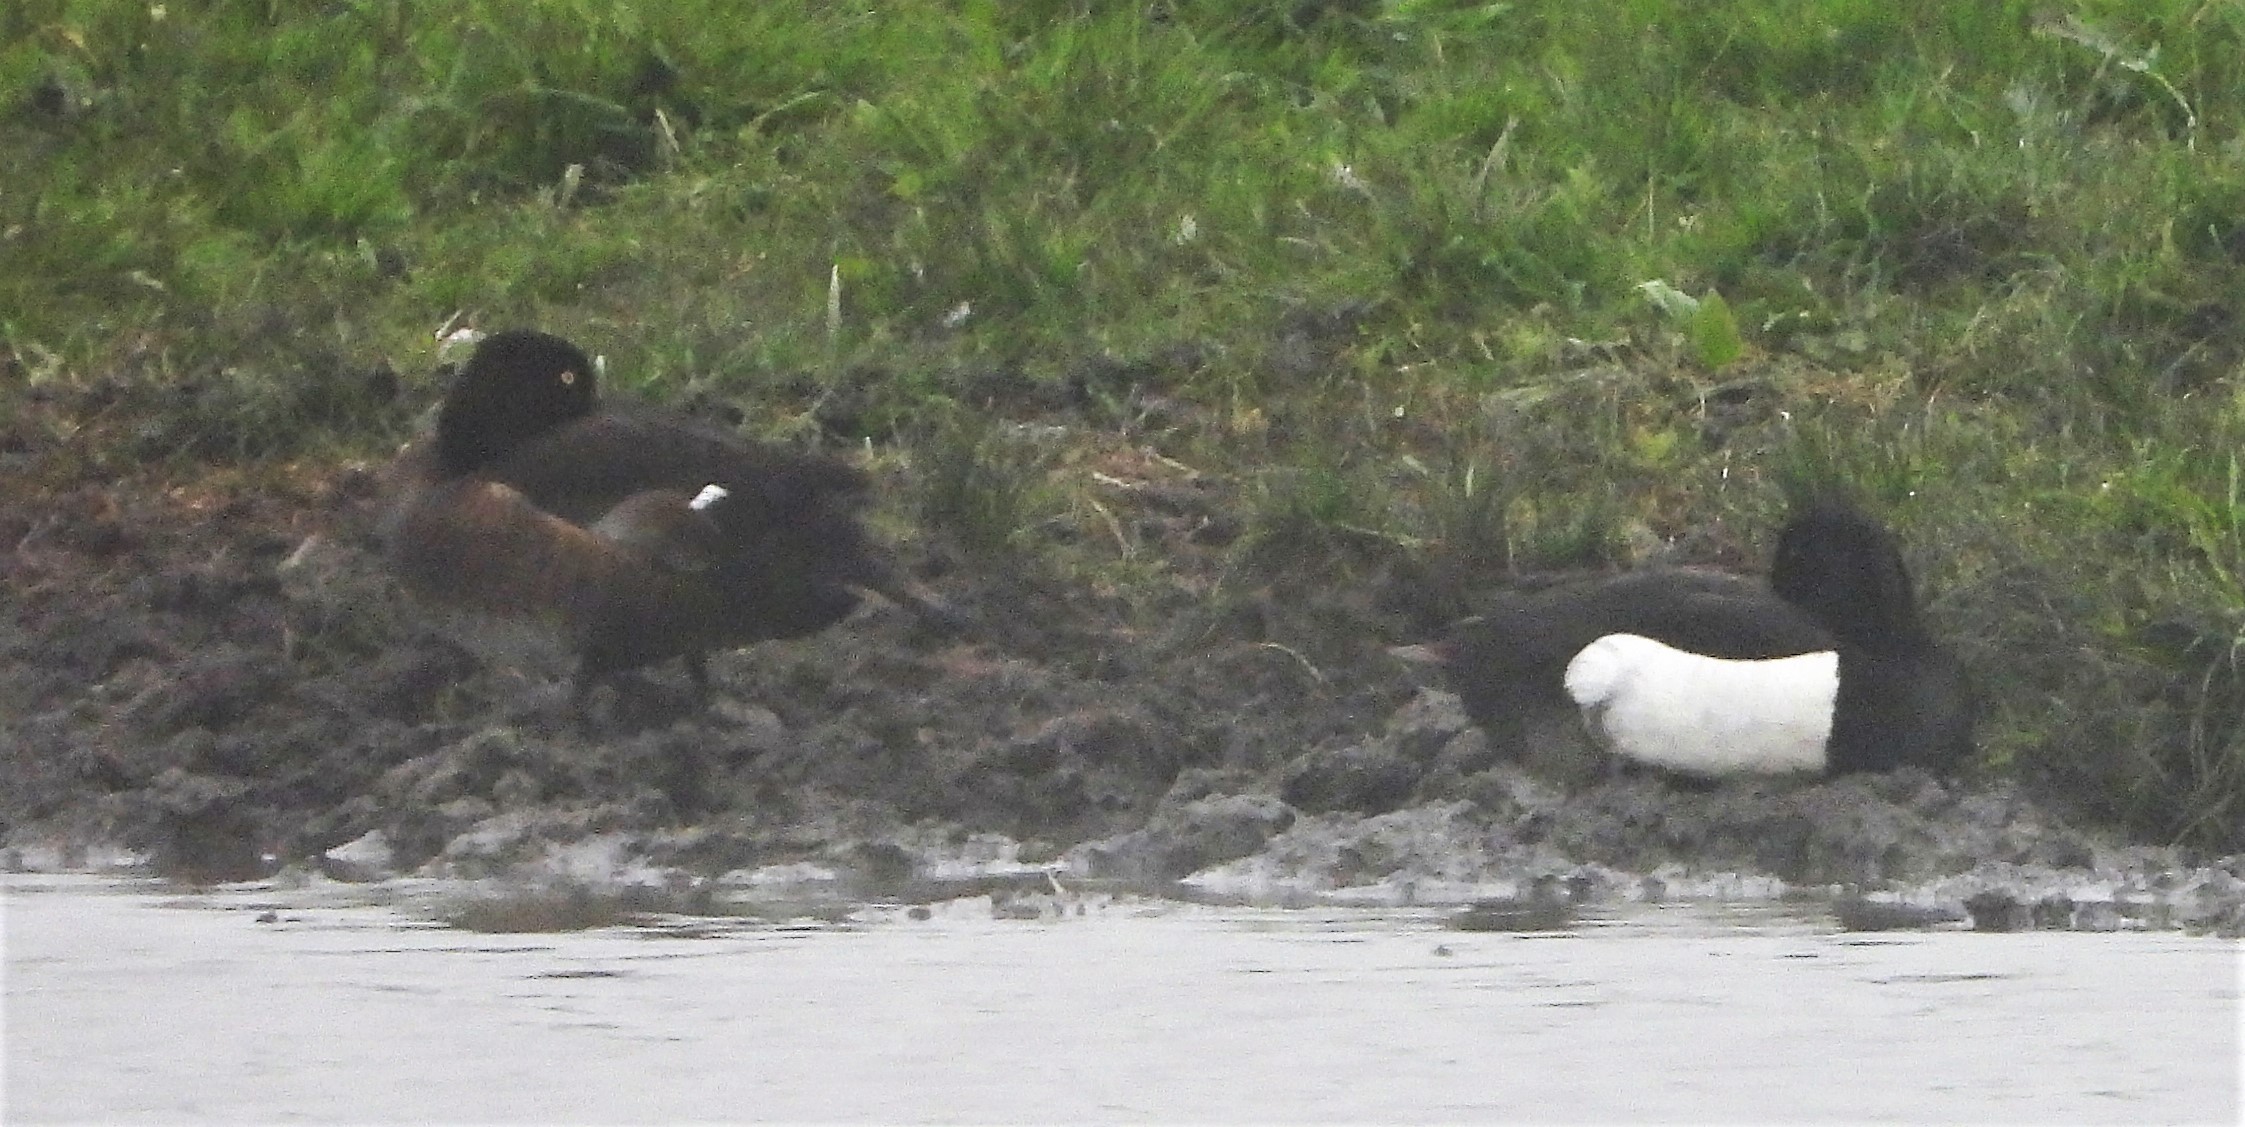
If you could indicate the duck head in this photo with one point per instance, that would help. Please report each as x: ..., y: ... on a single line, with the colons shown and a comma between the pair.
x: 517, y: 385
x: 1845, y: 569
x: 1903, y: 699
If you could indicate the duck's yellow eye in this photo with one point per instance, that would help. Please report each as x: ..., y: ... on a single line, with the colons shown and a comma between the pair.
x: 568, y: 377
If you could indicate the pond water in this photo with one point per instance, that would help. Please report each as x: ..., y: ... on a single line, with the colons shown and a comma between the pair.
x: 131, y: 1002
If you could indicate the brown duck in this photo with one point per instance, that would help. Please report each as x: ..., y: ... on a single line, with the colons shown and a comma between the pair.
x: 631, y: 534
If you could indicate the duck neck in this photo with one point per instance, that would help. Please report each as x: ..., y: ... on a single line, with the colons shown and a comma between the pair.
x: 1876, y: 630
x: 477, y: 426
x: 465, y: 437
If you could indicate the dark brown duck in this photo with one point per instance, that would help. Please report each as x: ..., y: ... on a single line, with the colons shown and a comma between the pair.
x: 634, y: 535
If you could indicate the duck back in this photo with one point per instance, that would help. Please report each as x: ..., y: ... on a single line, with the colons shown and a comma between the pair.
x: 580, y: 469
x: 1514, y: 656
x: 794, y: 511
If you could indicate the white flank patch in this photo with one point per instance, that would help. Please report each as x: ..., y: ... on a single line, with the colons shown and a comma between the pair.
x: 1703, y: 715
x: 710, y: 495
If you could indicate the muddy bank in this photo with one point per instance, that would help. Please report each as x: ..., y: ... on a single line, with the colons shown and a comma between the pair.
x: 215, y: 680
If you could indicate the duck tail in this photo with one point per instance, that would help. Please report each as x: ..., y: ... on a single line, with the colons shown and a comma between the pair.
x: 1597, y: 671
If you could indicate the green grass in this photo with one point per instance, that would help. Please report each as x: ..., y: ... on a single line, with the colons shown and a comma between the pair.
x: 1381, y: 266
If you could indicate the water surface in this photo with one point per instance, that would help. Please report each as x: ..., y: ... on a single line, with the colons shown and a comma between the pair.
x: 127, y: 1002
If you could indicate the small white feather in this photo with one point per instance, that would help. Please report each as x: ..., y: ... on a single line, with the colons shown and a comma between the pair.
x: 1702, y: 715
x: 457, y: 342
x: 710, y: 495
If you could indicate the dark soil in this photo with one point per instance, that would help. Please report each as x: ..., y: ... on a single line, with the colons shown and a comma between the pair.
x: 208, y: 675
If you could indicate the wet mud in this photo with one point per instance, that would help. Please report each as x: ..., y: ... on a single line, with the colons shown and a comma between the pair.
x: 216, y: 680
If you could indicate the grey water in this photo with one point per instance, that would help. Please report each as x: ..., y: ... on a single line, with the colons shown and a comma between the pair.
x: 130, y: 1002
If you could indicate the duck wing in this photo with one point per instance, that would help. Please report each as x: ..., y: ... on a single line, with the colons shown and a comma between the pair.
x: 581, y: 469
x: 482, y: 545
x: 793, y: 516
x: 646, y: 583
x: 1704, y: 612
x: 1517, y: 650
